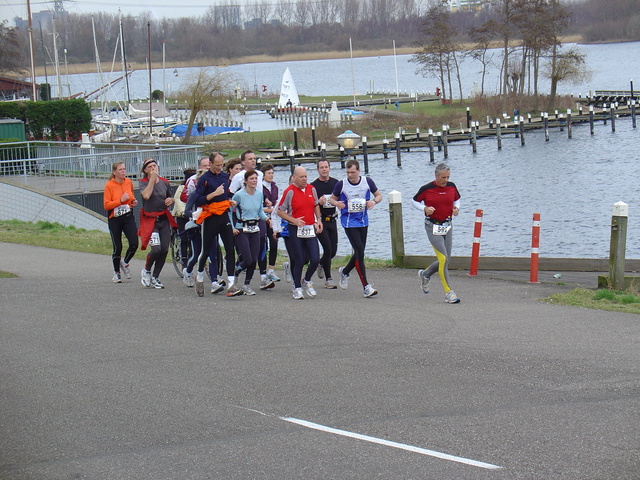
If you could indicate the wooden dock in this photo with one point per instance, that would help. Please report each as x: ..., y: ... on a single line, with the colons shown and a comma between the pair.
x: 439, y: 140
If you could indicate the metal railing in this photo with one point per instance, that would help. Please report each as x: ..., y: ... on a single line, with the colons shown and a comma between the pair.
x: 39, y: 159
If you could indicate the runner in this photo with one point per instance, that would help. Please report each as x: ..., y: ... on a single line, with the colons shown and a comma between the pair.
x: 248, y: 161
x: 299, y: 207
x: 156, y: 222
x: 212, y: 194
x: 248, y: 212
x: 328, y: 238
x: 119, y: 202
x: 352, y: 196
x: 266, y: 261
x: 439, y: 201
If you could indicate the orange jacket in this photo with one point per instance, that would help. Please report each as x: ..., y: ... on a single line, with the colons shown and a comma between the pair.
x: 113, y: 192
x: 215, y: 208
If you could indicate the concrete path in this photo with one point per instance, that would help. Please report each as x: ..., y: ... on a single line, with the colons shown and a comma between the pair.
x: 105, y: 381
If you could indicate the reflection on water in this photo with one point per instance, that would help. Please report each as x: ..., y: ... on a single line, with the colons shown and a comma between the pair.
x: 573, y: 184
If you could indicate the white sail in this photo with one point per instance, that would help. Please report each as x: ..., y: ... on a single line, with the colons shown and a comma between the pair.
x: 288, y: 91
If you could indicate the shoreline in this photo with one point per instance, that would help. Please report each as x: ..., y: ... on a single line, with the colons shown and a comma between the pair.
x: 80, y: 68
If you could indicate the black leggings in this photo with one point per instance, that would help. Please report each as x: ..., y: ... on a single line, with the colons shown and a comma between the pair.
x: 117, y: 226
x: 212, y: 227
x: 358, y: 238
x: 299, y: 250
x: 329, y: 240
x: 158, y: 254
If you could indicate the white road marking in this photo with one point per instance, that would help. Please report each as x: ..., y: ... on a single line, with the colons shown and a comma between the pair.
x: 380, y: 441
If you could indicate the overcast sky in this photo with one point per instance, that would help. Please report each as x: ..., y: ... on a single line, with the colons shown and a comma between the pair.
x: 159, y: 8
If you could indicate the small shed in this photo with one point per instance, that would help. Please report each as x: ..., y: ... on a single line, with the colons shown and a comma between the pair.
x: 12, y: 129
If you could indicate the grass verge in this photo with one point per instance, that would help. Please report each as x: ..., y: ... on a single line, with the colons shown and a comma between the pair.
x: 54, y: 235
x: 609, y: 300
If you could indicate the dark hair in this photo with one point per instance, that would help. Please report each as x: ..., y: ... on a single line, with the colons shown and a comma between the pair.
x: 231, y: 163
x: 353, y: 163
x: 244, y: 154
x: 322, y: 160
x: 266, y: 167
x: 188, y: 173
x: 248, y: 173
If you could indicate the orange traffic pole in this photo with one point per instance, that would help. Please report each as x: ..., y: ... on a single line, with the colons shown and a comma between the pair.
x: 475, y: 249
x: 535, y: 247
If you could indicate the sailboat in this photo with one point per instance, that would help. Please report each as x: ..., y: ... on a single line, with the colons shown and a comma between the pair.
x: 288, y: 91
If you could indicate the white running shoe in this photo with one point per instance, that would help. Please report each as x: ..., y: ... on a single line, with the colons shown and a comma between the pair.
x: 156, y: 283
x: 187, y: 278
x: 124, y: 268
x: 116, y: 277
x: 247, y: 290
x: 369, y: 291
x: 234, y: 291
x: 216, y: 287
x: 297, y: 294
x: 146, y: 278
x: 451, y: 297
x: 287, y: 272
x: 266, y: 283
x: 330, y: 284
x: 200, y: 284
x: 424, y: 281
x: 308, y: 287
x: 273, y: 277
x: 344, y: 279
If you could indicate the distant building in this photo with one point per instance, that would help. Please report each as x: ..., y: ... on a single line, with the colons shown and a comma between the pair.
x: 457, y: 5
x: 14, y: 89
x: 227, y: 15
x: 42, y: 19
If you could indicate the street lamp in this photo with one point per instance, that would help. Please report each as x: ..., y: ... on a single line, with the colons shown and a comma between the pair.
x: 348, y: 140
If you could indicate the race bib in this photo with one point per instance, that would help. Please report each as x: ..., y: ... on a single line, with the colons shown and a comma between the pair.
x: 250, y: 226
x: 306, y: 231
x: 121, y: 210
x: 154, y: 241
x: 441, y: 229
x: 355, y: 205
x: 327, y: 197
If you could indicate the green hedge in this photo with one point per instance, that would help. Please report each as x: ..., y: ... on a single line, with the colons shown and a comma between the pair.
x: 54, y: 120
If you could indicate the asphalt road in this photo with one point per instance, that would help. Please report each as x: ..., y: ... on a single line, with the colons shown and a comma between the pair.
x: 105, y: 381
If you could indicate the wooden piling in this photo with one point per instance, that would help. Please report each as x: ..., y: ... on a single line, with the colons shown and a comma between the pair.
x: 522, y: 131
x: 365, y: 155
x: 618, y: 245
x: 397, y: 233
x: 499, y: 133
x: 398, y: 153
x: 432, y: 157
x: 612, y: 114
x: 569, y: 126
x: 591, y: 120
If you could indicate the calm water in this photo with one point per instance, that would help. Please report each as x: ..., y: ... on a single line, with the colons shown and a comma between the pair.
x: 612, y: 66
x: 573, y: 184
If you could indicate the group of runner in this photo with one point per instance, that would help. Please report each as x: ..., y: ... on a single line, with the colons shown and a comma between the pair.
x: 240, y: 206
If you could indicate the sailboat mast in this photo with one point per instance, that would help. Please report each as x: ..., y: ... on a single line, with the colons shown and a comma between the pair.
x: 123, y: 58
x: 353, y: 78
x: 395, y: 61
x: 150, y: 91
x: 33, y: 67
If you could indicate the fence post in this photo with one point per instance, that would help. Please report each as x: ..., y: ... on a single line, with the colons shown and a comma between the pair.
x: 618, y: 245
x: 475, y: 248
x: 397, y: 234
x: 535, y: 248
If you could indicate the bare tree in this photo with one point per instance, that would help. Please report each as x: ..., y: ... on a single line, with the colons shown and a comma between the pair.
x: 205, y: 88
x: 482, y: 38
x: 569, y: 66
x: 11, y: 48
x: 437, y: 57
